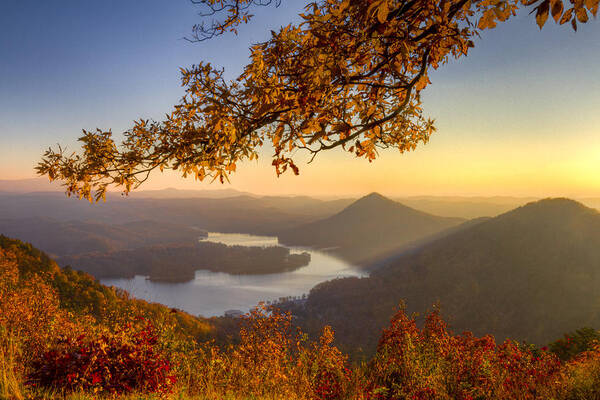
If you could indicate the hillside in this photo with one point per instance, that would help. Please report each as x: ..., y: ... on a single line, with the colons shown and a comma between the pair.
x: 62, y: 334
x: 369, y: 228
x: 83, y: 296
x: 529, y: 274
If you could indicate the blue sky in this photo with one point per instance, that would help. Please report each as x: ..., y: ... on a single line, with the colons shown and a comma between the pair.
x: 520, y: 115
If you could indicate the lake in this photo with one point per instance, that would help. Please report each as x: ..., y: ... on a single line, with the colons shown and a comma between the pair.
x: 213, y: 293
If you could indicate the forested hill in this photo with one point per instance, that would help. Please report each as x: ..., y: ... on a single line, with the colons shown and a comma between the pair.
x: 530, y: 274
x: 179, y: 262
x: 83, y: 296
x: 371, y: 227
x: 63, y: 238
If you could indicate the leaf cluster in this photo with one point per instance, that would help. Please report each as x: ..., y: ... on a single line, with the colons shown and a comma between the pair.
x: 348, y: 76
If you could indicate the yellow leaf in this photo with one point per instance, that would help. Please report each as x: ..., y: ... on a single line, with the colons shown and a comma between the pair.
x: 566, y: 16
x: 582, y: 15
x: 382, y: 12
x: 422, y: 83
x: 592, y: 5
x: 542, y: 13
x: 557, y: 10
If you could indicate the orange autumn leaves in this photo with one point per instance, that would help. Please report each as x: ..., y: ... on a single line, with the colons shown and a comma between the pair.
x: 348, y: 76
x: 29, y: 309
x: 573, y: 11
x: 562, y: 12
x: 275, y: 359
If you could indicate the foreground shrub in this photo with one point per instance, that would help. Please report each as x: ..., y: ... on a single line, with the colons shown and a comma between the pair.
x: 432, y: 363
x: 325, y: 368
x: 273, y: 357
x: 581, y: 376
x: 273, y: 360
x: 574, y: 343
x: 129, y: 359
x: 29, y: 310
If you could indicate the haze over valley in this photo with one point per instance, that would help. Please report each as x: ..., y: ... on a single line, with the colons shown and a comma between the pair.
x: 498, y: 272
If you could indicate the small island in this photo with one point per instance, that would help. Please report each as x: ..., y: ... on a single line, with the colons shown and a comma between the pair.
x: 179, y: 262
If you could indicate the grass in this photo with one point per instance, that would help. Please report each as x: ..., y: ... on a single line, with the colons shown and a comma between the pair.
x: 10, y: 382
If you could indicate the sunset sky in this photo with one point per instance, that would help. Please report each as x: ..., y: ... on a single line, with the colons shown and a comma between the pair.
x: 519, y: 116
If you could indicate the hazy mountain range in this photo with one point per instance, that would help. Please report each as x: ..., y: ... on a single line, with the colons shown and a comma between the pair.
x: 61, y: 238
x: 241, y: 214
x: 448, y: 206
x: 529, y: 274
x: 29, y: 185
x: 465, y: 206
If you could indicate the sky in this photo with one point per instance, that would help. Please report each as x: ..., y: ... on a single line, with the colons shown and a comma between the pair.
x: 519, y: 116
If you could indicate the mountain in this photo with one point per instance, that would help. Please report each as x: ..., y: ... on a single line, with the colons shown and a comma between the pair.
x: 173, y: 193
x: 369, y: 228
x: 465, y: 207
x: 593, y: 202
x: 62, y: 238
x: 240, y: 214
x: 529, y: 274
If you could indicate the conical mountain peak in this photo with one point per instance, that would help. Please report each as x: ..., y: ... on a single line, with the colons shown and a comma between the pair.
x: 370, y: 227
x: 373, y: 199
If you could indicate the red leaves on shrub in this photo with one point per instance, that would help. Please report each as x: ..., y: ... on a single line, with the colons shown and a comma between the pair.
x: 128, y: 359
x: 432, y: 363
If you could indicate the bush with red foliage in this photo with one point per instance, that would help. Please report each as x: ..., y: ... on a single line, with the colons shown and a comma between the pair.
x: 330, y: 385
x: 432, y: 363
x: 329, y: 377
x: 125, y: 360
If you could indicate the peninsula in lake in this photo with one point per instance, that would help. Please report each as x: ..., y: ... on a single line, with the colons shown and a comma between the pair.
x: 179, y: 262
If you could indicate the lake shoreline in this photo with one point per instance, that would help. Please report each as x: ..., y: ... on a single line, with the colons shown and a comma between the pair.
x: 212, y: 293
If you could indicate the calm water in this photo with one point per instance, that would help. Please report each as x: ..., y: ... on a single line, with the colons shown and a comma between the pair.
x: 212, y: 293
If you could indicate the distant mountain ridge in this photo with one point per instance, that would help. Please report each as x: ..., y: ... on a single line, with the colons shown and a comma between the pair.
x: 29, y: 185
x: 371, y: 227
x: 173, y: 193
x: 530, y: 274
x: 60, y: 238
x: 240, y: 214
x: 465, y: 206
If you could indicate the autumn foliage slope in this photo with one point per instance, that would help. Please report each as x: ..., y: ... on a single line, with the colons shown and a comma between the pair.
x: 51, y: 348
